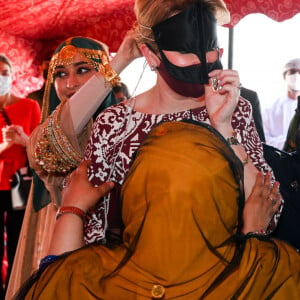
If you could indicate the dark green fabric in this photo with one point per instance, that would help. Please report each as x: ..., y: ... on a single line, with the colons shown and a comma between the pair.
x: 81, y: 42
x: 41, y: 196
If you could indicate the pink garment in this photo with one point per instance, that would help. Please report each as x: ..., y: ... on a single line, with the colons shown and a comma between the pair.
x: 117, y: 134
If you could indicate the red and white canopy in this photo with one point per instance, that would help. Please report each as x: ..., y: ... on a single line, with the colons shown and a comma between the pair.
x: 30, y: 30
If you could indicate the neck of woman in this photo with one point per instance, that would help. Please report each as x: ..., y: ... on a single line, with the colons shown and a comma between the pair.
x: 6, y: 100
x: 162, y: 100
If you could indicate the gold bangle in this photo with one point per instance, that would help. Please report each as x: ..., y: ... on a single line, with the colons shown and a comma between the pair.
x: 70, y: 210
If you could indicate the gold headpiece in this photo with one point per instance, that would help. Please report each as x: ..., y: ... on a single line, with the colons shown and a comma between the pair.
x: 98, y: 59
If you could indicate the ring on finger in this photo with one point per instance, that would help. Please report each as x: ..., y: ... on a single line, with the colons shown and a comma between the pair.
x: 215, y: 84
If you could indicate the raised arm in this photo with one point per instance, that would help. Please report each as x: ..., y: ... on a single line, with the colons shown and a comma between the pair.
x: 78, y: 197
x: 69, y: 123
x: 96, y: 89
x: 220, y: 106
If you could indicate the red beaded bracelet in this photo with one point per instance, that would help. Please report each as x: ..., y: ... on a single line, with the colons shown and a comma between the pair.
x: 70, y: 210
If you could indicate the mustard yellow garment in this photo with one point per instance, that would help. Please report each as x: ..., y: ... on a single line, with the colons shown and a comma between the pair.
x: 181, y: 199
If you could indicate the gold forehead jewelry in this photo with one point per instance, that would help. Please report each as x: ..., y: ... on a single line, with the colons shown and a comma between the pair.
x: 98, y: 59
x: 67, y: 52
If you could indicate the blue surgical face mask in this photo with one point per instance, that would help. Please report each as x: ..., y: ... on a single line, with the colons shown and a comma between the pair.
x: 5, y: 85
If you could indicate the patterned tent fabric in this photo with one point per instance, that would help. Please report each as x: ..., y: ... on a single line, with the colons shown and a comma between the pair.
x: 30, y: 30
x: 277, y: 10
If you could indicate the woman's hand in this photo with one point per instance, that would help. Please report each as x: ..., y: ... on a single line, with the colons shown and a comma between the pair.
x: 79, y: 192
x: 7, y: 139
x: 261, y: 205
x: 14, y: 134
x: 129, y: 48
x: 127, y: 52
x: 220, y: 104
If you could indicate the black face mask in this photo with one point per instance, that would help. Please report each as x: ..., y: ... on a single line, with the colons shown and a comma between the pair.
x: 191, y: 31
x: 187, y: 89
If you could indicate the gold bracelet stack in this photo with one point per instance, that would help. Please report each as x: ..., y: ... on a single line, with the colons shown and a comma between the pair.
x: 54, y: 152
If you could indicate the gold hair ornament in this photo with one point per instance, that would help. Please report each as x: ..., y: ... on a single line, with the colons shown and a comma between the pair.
x: 98, y: 59
x: 144, y: 36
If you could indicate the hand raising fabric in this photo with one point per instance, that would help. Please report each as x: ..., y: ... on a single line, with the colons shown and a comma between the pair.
x: 127, y: 52
x: 221, y: 103
x: 129, y: 49
x: 261, y: 205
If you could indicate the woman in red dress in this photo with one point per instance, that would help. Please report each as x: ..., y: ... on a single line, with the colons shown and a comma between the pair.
x: 24, y: 116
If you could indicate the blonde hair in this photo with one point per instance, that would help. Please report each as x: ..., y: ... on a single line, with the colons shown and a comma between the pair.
x: 151, y: 12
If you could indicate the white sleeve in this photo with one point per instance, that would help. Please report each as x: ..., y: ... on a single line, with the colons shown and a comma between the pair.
x: 85, y: 102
